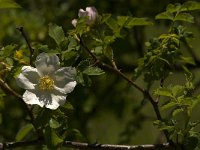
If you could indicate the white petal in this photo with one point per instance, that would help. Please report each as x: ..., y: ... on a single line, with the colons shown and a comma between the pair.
x: 28, y: 77
x: 92, y: 14
x: 68, y: 88
x: 82, y: 13
x: 30, y: 97
x: 49, y: 99
x: 57, y: 100
x: 64, y: 79
x: 65, y: 73
x: 47, y: 64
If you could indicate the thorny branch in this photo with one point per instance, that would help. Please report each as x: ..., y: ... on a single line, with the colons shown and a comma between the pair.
x: 7, y: 89
x: 21, y: 30
x: 86, y: 146
x: 118, y: 72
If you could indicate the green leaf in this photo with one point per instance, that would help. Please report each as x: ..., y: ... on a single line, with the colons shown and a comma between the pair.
x: 122, y: 20
x: 109, y: 39
x: 64, y: 44
x: 164, y: 92
x: 188, y: 60
x: 93, y: 71
x: 98, y: 50
x: 70, y: 57
x: 8, y: 4
x: 8, y: 50
x: 176, y: 112
x: 168, y: 105
x: 184, y: 17
x: 105, y: 17
x: 137, y: 22
x: 73, y: 45
x: 165, y: 15
x: 177, y: 89
x: 53, y: 123
x: 112, y: 24
x: 190, y: 5
x: 56, y: 33
x: 81, y: 26
x: 163, y: 126
x: 23, y: 132
x: 173, y: 8
x: 68, y: 106
x: 108, y: 52
x: 9, y: 61
x: 83, y: 65
x: 83, y: 79
x: 51, y: 138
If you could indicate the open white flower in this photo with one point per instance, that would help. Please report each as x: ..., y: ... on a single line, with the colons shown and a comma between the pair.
x: 47, y: 84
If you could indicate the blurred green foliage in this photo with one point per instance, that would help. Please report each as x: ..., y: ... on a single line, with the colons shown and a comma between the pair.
x: 109, y: 110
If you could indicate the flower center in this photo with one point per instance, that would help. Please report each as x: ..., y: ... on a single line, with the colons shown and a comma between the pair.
x: 46, y: 83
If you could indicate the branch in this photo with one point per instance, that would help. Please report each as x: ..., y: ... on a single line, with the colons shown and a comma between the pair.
x: 21, y: 30
x: 118, y: 72
x: 86, y: 146
x: 113, y: 69
x: 7, y: 89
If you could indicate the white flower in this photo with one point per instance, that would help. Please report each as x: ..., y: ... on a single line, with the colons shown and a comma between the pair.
x: 90, y: 12
x: 47, y: 84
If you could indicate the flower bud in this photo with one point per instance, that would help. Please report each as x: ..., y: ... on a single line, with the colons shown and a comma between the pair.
x: 90, y: 12
x: 74, y: 22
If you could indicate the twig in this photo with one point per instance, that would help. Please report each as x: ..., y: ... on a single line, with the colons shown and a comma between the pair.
x: 161, y: 85
x: 86, y: 146
x: 9, y: 145
x: 21, y: 29
x: 117, y: 71
x: 7, y: 89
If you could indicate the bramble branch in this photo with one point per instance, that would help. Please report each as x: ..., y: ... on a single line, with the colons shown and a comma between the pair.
x: 7, y: 89
x: 86, y: 146
x: 21, y: 30
x: 4, y: 86
x: 118, y: 72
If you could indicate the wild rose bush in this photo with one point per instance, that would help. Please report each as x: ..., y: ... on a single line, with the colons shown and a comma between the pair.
x: 48, y: 76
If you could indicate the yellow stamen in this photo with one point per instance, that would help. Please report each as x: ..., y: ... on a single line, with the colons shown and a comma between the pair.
x: 46, y: 83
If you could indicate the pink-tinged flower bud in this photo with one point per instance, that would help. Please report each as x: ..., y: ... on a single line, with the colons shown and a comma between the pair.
x: 82, y: 13
x: 91, y: 14
x: 74, y: 22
